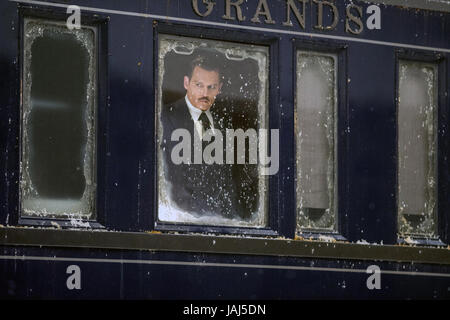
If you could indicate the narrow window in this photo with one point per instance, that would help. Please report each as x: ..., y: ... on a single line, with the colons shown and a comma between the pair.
x: 224, y: 86
x: 58, y: 121
x: 417, y: 148
x: 316, y: 102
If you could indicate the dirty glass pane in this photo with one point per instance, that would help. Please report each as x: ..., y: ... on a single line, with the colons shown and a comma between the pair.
x: 417, y: 148
x: 58, y: 121
x: 218, y: 180
x: 315, y: 133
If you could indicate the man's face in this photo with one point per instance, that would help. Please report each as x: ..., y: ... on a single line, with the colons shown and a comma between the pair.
x: 202, y: 88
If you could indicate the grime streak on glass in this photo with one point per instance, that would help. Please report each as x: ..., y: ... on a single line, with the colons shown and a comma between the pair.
x: 315, y: 126
x: 58, y: 120
x: 417, y: 148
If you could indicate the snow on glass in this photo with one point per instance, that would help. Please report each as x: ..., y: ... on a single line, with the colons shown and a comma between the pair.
x: 417, y: 143
x: 244, y: 99
x: 315, y: 133
x: 58, y: 121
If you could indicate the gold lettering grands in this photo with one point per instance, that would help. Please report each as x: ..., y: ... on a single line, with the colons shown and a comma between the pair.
x: 326, y: 13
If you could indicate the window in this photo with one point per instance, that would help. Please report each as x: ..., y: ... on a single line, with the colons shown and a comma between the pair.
x: 220, y: 180
x: 417, y: 148
x: 58, y: 114
x: 316, y: 114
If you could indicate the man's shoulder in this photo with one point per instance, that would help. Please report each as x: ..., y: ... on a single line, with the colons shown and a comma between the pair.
x: 175, y: 110
x: 175, y: 107
x: 176, y: 115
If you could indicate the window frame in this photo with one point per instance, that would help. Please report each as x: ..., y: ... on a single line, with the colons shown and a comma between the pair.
x: 274, y: 217
x: 341, y: 173
x: 100, y: 24
x: 442, y: 213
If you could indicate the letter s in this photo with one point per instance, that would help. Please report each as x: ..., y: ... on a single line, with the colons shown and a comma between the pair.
x: 354, y: 18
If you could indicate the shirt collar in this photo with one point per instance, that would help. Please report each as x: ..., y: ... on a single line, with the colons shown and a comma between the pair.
x: 195, y: 112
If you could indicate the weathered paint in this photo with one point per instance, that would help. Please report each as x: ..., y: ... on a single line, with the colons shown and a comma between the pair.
x: 126, y: 198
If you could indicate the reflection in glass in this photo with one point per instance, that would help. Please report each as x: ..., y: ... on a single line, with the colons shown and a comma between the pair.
x: 58, y: 119
x: 211, y: 194
x: 417, y: 145
x: 315, y: 134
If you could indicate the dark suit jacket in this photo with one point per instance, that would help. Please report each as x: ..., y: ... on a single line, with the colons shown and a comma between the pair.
x: 199, y: 189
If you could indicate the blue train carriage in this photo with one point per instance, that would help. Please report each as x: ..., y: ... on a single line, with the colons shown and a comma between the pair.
x: 321, y: 171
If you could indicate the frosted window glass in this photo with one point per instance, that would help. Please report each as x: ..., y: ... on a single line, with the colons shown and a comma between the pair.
x: 417, y: 122
x: 315, y: 134
x: 58, y: 121
x: 212, y: 194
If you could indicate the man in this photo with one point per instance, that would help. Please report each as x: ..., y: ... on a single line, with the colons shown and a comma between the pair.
x: 200, y: 189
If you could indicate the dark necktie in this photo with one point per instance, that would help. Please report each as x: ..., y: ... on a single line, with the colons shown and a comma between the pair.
x: 205, y: 122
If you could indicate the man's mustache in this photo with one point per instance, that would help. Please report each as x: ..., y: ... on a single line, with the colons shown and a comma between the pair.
x: 206, y: 99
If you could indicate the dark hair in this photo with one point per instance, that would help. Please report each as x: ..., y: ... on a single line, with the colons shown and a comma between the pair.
x: 207, y: 60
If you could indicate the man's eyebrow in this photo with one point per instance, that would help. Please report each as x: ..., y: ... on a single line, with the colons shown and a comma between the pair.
x: 209, y: 85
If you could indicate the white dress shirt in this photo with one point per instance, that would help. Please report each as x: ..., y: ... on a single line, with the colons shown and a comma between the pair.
x: 195, y: 114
